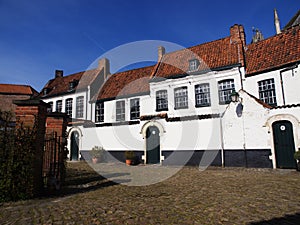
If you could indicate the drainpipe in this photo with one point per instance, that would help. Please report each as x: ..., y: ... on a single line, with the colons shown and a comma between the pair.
x: 222, y: 140
x: 281, y: 80
x: 241, y: 78
x: 282, y: 88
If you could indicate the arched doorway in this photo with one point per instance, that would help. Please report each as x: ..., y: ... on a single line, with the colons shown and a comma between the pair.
x: 74, y: 154
x: 284, y: 144
x: 152, y: 145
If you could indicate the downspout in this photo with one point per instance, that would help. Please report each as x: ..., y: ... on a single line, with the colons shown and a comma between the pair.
x: 282, y: 88
x: 87, y: 103
x: 281, y: 80
x: 241, y: 78
x: 222, y: 140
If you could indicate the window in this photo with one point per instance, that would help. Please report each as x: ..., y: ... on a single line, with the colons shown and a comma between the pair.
x: 79, y: 106
x: 225, y: 89
x: 69, y: 103
x: 59, y: 106
x: 50, y: 108
x: 99, y: 112
x: 120, y: 110
x: 135, y: 109
x: 202, y: 95
x: 181, y: 98
x: 266, y: 90
x: 161, y: 100
x: 193, y: 64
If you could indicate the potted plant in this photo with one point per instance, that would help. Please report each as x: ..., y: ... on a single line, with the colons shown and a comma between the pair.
x: 97, y: 154
x: 297, y: 157
x: 130, y: 157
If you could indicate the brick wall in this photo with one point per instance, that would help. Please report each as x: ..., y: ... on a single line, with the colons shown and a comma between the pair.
x: 6, y: 101
x: 30, y: 114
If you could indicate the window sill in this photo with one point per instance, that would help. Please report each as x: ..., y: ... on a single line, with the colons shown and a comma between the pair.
x: 201, y: 106
x: 160, y: 110
x: 186, y: 107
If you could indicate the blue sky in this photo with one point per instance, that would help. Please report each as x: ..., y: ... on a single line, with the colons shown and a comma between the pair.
x: 37, y: 37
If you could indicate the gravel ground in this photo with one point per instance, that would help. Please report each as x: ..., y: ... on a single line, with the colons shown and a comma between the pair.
x: 213, y: 196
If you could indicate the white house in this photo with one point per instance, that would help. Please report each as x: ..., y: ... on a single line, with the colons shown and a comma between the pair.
x: 180, y: 111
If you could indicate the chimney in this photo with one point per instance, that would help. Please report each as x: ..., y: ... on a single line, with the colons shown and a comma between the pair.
x: 161, y: 52
x: 238, y: 38
x: 59, y: 73
x: 276, y: 22
x: 237, y: 34
x: 104, y: 64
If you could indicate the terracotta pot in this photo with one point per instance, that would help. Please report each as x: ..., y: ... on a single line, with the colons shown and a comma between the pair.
x: 128, y: 162
x: 94, y: 160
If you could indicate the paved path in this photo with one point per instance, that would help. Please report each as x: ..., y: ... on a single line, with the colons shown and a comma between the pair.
x: 213, y: 196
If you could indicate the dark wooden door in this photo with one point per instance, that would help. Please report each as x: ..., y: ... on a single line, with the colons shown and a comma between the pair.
x: 153, y: 145
x: 74, y: 146
x: 284, y: 144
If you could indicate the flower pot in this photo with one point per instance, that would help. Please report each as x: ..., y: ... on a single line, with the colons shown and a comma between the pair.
x: 298, y: 166
x: 128, y: 162
x: 94, y: 160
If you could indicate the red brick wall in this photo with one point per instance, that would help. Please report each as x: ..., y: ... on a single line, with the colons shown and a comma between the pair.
x: 6, y: 101
x: 28, y: 113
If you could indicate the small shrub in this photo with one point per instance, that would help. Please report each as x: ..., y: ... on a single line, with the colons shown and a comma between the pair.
x: 97, y: 152
x: 297, y: 155
x: 130, y: 155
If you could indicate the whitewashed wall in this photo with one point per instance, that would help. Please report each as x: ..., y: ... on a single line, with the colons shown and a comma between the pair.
x: 290, y: 84
x: 63, y: 98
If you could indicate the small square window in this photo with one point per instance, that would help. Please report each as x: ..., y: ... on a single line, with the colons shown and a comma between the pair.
x: 193, y: 64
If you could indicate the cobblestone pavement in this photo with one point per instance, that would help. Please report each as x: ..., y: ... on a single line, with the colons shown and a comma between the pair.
x: 213, y: 196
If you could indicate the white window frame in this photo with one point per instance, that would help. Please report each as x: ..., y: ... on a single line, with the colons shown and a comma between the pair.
x: 120, y: 110
x: 181, y: 97
x: 202, y: 95
x: 267, y: 92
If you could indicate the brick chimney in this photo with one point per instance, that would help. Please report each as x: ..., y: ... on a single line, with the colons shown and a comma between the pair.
x: 238, y: 38
x: 59, y: 73
x: 161, y: 52
x: 237, y: 34
x: 104, y: 64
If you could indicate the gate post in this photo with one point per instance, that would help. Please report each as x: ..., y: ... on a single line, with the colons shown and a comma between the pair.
x: 56, y: 123
x: 32, y: 114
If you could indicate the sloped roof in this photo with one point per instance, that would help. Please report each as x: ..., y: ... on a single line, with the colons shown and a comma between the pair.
x: 17, y: 89
x: 274, y: 52
x: 126, y: 83
x: 60, y: 85
x: 217, y: 54
x: 294, y: 21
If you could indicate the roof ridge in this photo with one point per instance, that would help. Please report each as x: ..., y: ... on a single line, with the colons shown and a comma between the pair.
x: 208, y: 42
x: 144, y: 67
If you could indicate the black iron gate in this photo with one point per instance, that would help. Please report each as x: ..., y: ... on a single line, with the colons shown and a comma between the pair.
x: 53, y: 161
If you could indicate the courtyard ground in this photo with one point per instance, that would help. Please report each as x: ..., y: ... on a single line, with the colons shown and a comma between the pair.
x: 212, y: 196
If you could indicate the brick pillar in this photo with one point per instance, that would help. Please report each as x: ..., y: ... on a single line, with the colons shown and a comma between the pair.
x: 57, y: 122
x: 56, y: 126
x: 28, y: 114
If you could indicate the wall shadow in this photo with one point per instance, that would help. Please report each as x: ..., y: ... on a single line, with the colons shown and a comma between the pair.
x: 286, y: 220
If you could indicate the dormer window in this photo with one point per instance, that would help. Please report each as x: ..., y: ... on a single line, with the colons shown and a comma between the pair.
x: 73, y: 84
x: 46, y: 91
x: 193, y: 64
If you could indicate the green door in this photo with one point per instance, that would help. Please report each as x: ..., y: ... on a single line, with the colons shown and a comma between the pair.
x: 152, y: 145
x: 74, y: 146
x: 284, y: 144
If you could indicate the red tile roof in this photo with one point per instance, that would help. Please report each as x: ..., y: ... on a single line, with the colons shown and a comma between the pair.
x: 17, y: 89
x: 60, y: 85
x: 274, y: 52
x: 126, y: 83
x: 212, y: 55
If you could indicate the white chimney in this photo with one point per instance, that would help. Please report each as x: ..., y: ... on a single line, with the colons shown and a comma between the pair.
x: 161, y: 52
x: 104, y: 64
